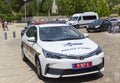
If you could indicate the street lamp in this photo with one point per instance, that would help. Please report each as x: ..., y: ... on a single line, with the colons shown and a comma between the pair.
x: 25, y: 8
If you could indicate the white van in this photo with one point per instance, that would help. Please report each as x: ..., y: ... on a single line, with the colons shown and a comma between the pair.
x: 82, y: 19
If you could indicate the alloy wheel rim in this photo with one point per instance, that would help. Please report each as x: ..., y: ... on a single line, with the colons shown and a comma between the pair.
x: 38, y: 67
x: 23, y: 54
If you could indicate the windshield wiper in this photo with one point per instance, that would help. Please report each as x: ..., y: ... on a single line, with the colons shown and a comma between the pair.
x: 63, y: 39
x: 69, y: 38
x: 47, y: 40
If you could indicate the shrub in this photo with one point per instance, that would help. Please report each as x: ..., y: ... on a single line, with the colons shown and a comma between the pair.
x: 118, y: 10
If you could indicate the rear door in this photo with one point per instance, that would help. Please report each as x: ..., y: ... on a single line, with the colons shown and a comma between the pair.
x: 106, y: 24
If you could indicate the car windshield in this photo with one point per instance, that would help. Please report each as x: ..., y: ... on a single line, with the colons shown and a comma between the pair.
x: 73, y: 18
x: 113, y: 19
x: 59, y: 33
x: 97, y: 22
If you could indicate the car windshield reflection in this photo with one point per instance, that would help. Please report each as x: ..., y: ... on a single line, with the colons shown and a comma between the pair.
x: 97, y: 22
x: 59, y: 33
x: 73, y: 18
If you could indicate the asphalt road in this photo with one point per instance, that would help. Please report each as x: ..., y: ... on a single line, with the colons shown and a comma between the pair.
x: 14, y: 70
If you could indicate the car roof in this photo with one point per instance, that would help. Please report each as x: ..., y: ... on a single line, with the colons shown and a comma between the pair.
x: 85, y: 14
x: 51, y: 25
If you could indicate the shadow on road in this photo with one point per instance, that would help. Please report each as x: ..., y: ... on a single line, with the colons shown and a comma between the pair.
x: 78, y: 79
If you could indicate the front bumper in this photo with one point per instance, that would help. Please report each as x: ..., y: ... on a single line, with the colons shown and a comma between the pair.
x: 93, y: 29
x: 63, y: 68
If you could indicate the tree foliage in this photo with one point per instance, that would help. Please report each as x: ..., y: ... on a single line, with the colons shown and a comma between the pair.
x: 5, y: 10
x: 65, y: 7
x: 118, y: 10
x: 45, y: 5
x: 15, y: 8
x: 68, y: 7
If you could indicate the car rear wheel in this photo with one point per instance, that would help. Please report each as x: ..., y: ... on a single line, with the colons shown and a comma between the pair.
x: 38, y: 68
x: 101, y: 29
x: 23, y: 55
x: 76, y: 26
x: 88, y: 31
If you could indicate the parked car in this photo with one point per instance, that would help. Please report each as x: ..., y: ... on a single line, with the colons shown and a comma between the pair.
x: 59, y: 50
x: 82, y: 19
x: 62, y: 20
x: 114, y: 21
x: 54, y: 21
x: 99, y: 25
x: 24, y: 30
x: 26, y: 27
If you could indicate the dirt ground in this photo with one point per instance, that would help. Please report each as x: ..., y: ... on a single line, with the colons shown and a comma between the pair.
x: 14, y: 70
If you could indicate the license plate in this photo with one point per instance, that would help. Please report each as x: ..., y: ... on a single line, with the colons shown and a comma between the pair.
x: 82, y: 65
x: 91, y: 30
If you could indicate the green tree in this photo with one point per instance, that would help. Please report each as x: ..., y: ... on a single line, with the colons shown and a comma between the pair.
x: 65, y: 7
x: 5, y: 9
x: 118, y: 10
x: 16, y: 5
x: 68, y: 7
x: 45, y: 5
x: 102, y: 8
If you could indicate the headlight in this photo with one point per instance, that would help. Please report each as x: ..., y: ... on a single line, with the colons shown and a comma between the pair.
x: 48, y: 54
x: 97, y: 51
x: 97, y: 26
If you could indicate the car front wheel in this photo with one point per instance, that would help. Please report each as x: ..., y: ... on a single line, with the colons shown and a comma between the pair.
x: 23, y: 55
x: 38, y: 68
x: 88, y: 31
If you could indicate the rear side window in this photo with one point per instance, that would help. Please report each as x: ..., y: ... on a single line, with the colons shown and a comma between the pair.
x: 89, y: 17
x: 107, y: 22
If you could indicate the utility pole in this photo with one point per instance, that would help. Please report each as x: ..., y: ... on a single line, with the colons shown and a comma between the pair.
x: 37, y: 7
x: 25, y: 8
x: 48, y: 15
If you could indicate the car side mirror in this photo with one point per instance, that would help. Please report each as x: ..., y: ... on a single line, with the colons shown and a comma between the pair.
x: 31, y: 39
x: 25, y: 28
x: 86, y: 35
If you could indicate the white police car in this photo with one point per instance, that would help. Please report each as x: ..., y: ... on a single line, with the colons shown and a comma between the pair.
x: 59, y: 50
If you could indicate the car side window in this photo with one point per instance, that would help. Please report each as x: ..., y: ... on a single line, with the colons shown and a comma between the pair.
x: 32, y: 31
x: 107, y: 22
x: 113, y: 19
x: 79, y: 18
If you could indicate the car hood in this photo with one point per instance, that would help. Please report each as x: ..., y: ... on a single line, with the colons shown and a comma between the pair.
x: 72, y: 22
x: 69, y: 47
x: 93, y: 25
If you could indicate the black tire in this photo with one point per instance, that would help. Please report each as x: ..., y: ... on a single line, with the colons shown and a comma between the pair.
x: 38, y: 69
x: 101, y: 29
x: 76, y: 26
x: 24, y: 58
x: 88, y: 31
